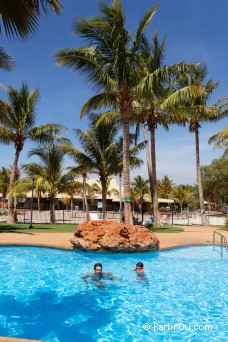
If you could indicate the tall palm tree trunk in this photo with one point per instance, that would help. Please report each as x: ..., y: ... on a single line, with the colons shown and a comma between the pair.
x: 104, y: 193
x: 72, y: 205
x: 154, y: 177
x: 121, y: 199
x: 38, y: 202
x: 85, y: 202
x: 12, y: 214
x: 4, y: 200
x: 148, y: 160
x: 52, y: 209
x: 199, y: 181
x: 126, y: 171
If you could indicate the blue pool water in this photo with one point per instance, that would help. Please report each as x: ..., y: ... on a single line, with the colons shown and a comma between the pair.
x: 43, y: 297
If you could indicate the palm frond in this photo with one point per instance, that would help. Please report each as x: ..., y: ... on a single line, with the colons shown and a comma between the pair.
x: 220, y: 139
x: 85, y: 59
x: 6, y: 61
x: 48, y: 133
x: 144, y: 23
x: 6, y: 135
x: 98, y: 101
x: 20, y: 18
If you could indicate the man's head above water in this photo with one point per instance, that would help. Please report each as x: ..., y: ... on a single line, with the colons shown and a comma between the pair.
x: 98, y: 268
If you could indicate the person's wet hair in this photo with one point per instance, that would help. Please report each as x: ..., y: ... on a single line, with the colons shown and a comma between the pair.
x: 98, y: 264
x: 139, y: 264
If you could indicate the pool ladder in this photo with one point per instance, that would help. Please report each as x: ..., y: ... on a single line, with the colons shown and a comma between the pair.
x: 223, y: 242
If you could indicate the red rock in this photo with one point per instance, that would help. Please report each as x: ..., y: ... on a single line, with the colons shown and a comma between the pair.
x: 110, y: 236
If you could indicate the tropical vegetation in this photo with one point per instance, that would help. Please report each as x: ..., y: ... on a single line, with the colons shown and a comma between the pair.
x: 51, y: 170
x: 17, y: 125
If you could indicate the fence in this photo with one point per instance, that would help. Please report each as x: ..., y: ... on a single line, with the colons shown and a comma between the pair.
x: 66, y: 216
x: 191, y: 218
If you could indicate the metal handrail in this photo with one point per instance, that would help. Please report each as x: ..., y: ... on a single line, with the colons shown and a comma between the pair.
x: 223, y: 242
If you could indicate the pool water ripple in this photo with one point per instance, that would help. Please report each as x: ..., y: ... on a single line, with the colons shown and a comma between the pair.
x: 43, y: 297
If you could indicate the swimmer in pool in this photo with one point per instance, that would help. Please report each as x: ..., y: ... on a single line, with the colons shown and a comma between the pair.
x: 140, y: 272
x: 98, y: 275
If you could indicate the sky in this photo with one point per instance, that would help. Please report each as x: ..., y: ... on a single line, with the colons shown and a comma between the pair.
x: 196, y: 31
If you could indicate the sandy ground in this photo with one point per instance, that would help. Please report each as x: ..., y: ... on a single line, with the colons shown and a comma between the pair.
x: 190, y: 236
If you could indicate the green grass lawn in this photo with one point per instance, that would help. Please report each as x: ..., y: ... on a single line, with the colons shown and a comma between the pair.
x: 166, y: 229
x: 37, y: 228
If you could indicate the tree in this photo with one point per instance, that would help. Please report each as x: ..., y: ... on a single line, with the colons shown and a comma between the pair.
x: 215, y: 181
x: 140, y: 189
x: 197, y: 110
x: 182, y: 194
x: 165, y: 187
x: 20, y: 18
x: 71, y: 188
x: 155, y: 92
x: 49, y: 169
x: 110, y: 62
x: 17, y: 125
x: 221, y: 140
x: 4, y: 183
x: 99, y: 153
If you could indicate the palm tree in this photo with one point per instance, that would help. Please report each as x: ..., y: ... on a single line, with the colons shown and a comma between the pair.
x: 182, y: 194
x: 72, y: 188
x: 17, y: 125
x: 135, y: 162
x: 20, y: 18
x: 110, y: 62
x: 141, y: 188
x: 4, y: 183
x: 156, y: 87
x: 99, y: 153
x: 196, y: 111
x: 49, y: 169
x: 221, y: 140
x: 165, y: 187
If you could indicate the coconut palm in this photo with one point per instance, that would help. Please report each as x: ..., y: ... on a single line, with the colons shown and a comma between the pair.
x: 182, y: 193
x: 99, y: 151
x: 20, y: 18
x: 71, y: 188
x: 4, y: 183
x: 165, y: 187
x: 17, y: 125
x: 196, y: 111
x: 110, y: 62
x: 51, y: 170
x: 155, y: 88
x: 135, y: 162
x: 140, y: 188
x: 221, y: 140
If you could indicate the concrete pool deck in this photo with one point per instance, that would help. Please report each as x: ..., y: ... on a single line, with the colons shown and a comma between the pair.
x: 191, y: 236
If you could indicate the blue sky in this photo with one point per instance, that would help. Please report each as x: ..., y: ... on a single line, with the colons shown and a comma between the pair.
x: 196, y: 31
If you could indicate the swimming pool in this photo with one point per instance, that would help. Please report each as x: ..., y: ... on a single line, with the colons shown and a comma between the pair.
x: 43, y: 297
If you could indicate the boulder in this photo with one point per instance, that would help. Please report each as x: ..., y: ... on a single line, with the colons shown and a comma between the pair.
x: 109, y: 236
